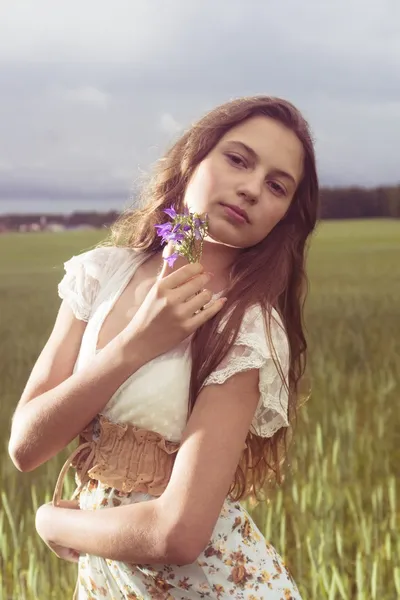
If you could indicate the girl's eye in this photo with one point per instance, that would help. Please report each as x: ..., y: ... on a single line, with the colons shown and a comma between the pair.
x: 278, y: 189
x: 236, y: 159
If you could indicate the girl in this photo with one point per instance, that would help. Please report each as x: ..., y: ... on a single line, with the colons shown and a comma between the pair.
x: 181, y: 412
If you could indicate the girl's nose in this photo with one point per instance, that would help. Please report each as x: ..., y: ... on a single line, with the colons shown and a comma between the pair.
x: 251, y: 189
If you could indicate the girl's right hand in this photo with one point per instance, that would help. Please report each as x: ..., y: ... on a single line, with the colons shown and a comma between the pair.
x: 169, y: 314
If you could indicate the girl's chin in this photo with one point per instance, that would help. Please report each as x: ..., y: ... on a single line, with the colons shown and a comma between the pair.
x: 221, y: 235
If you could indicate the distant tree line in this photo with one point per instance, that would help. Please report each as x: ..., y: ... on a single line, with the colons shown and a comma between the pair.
x: 360, y: 203
x: 96, y: 220
x: 336, y: 203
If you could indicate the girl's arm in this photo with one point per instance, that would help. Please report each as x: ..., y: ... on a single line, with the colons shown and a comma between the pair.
x: 176, y: 527
x: 56, y: 405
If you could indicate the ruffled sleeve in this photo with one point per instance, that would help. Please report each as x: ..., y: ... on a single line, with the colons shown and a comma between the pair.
x: 252, y: 350
x: 83, y: 276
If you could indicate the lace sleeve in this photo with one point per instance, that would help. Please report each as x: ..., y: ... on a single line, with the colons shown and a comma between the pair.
x: 252, y: 350
x: 82, y: 279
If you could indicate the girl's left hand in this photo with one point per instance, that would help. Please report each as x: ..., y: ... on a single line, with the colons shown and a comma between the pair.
x: 44, y: 527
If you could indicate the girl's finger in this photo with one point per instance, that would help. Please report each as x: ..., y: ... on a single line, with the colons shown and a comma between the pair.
x: 204, y: 315
x: 190, y: 289
x: 182, y: 275
x: 197, y: 301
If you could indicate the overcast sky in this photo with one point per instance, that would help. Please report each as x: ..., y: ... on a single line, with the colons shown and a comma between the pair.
x: 92, y: 92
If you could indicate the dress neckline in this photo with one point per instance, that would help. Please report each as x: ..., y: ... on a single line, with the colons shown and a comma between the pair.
x: 138, y: 260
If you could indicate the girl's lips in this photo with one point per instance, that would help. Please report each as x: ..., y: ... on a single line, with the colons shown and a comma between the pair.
x: 233, y: 214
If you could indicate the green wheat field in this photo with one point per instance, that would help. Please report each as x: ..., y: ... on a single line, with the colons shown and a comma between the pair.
x: 335, y: 520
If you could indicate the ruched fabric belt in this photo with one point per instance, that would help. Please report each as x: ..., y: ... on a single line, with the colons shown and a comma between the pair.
x: 120, y: 456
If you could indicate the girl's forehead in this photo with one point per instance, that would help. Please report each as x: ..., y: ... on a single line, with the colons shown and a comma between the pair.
x: 259, y: 128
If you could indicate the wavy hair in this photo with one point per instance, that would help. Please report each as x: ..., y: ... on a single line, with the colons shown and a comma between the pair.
x: 282, y: 285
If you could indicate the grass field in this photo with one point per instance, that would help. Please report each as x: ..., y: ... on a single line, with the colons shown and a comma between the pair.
x: 335, y: 518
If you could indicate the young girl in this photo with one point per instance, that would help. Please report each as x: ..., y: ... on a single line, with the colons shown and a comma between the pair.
x: 181, y: 381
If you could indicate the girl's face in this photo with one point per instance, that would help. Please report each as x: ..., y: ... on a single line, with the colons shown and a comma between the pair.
x: 256, y: 167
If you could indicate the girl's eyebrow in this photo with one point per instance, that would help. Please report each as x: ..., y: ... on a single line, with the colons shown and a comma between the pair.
x: 256, y: 158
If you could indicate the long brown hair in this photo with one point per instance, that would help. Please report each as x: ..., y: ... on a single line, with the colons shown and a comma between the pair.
x: 271, y: 273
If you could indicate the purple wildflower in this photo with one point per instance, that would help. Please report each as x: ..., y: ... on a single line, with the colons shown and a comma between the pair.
x: 182, y: 231
x: 169, y: 233
x: 171, y: 212
x: 176, y: 237
x: 197, y: 234
x: 198, y: 223
x: 171, y: 259
x: 164, y: 230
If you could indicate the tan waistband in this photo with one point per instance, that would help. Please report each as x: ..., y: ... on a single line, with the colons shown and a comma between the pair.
x: 120, y: 456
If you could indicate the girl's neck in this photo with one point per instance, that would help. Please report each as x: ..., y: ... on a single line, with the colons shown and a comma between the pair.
x: 219, y: 259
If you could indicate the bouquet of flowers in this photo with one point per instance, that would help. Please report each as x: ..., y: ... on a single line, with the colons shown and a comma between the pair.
x: 186, y: 231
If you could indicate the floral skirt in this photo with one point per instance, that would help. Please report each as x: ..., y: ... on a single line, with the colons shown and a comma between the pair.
x: 237, y: 563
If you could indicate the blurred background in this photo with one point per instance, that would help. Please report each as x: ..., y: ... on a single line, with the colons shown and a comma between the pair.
x: 92, y: 93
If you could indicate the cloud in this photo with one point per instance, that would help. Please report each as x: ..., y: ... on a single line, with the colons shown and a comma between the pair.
x: 169, y: 125
x: 88, y: 95
x: 93, y: 92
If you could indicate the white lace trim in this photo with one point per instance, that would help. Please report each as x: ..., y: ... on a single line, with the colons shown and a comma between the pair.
x: 83, y: 276
x: 252, y: 350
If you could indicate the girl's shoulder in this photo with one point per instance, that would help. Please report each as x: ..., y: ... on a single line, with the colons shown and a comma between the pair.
x: 98, y: 263
x: 91, y: 271
x: 261, y: 344
x: 256, y: 322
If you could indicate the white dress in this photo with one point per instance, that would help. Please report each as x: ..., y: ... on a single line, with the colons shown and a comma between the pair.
x: 238, y: 562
